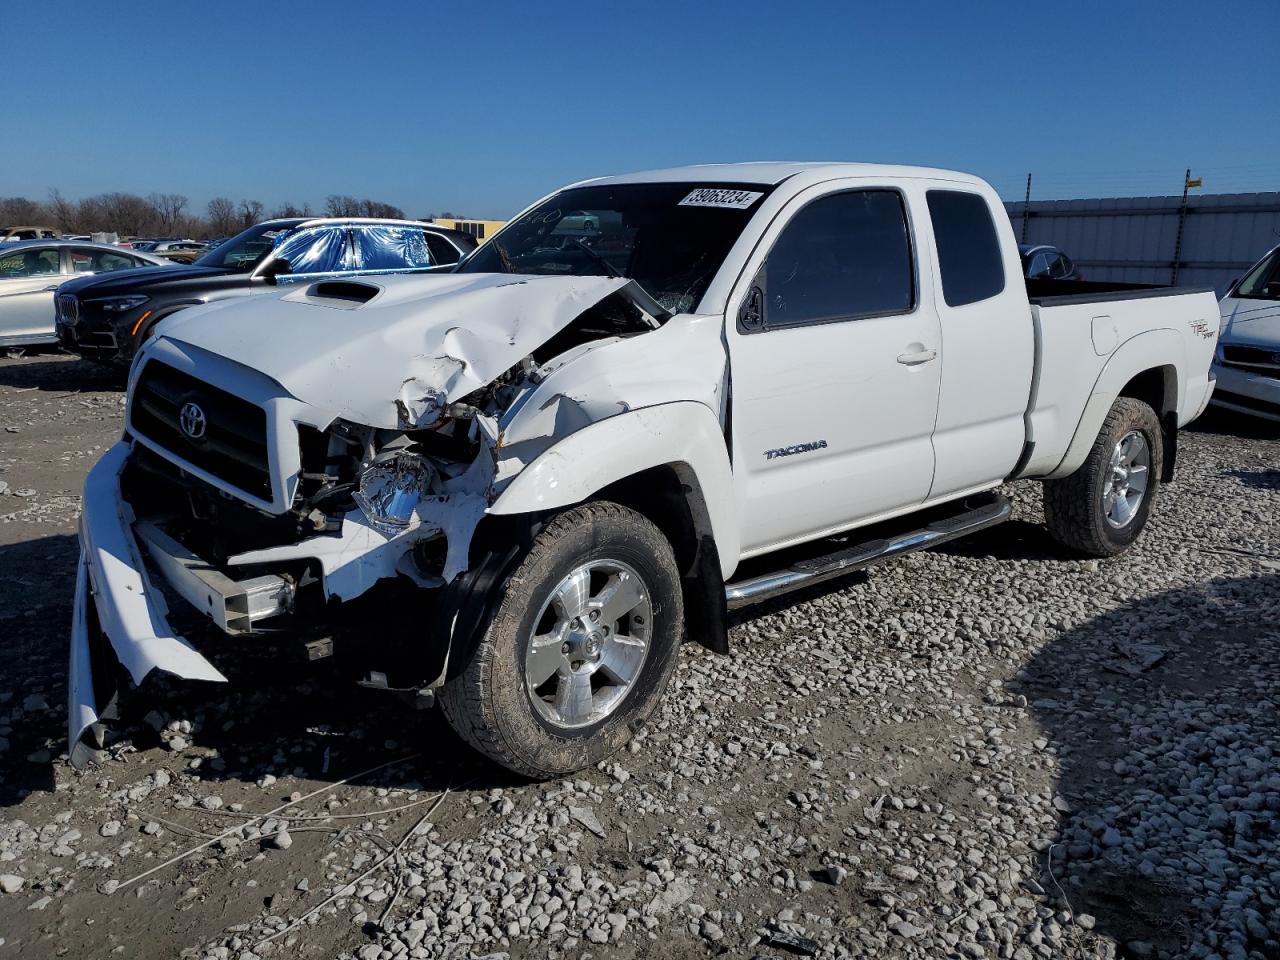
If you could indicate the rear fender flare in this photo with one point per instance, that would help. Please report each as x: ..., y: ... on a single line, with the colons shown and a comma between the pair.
x: 1146, y: 351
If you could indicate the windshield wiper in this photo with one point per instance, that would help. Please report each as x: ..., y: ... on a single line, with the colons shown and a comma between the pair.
x: 597, y: 257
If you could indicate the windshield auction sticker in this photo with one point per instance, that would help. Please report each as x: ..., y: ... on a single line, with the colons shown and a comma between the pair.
x: 714, y: 197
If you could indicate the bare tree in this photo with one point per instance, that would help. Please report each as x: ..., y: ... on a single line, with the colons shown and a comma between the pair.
x: 20, y: 210
x: 376, y: 208
x: 168, y: 208
x: 287, y: 209
x: 339, y: 205
x: 223, y: 220
x: 64, y: 212
x: 250, y: 213
x: 129, y: 214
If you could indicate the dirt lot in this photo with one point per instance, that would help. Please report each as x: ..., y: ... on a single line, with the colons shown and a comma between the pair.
x: 991, y: 751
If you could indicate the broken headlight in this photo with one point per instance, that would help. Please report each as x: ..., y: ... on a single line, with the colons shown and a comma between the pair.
x: 391, y: 488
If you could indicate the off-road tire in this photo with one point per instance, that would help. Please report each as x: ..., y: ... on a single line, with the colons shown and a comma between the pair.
x: 1073, y: 508
x: 487, y: 702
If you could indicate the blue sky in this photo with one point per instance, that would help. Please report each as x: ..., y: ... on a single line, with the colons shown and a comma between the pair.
x: 480, y: 107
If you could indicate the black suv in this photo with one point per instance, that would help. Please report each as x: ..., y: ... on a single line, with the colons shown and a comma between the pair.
x: 106, y: 318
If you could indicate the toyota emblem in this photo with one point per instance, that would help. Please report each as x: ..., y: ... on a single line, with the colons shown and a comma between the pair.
x: 192, y: 420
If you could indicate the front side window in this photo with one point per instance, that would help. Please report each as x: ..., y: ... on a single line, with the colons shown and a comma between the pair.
x: 843, y: 256
x: 316, y: 251
x: 1263, y: 281
x: 247, y: 249
x: 29, y: 263
x: 391, y: 248
x: 969, y: 255
x: 671, y: 238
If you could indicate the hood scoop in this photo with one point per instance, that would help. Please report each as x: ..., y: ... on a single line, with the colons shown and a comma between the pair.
x: 343, y: 294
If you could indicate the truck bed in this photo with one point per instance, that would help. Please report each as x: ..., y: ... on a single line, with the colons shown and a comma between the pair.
x: 1080, y: 326
x: 1057, y: 293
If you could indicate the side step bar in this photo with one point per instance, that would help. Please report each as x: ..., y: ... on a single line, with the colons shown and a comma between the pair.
x: 847, y: 559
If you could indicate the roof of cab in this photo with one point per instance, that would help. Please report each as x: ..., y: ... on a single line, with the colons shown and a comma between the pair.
x: 774, y: 172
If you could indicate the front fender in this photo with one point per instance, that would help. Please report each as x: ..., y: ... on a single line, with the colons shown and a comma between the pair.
x: 684, y: 434
x: 1155, y: 348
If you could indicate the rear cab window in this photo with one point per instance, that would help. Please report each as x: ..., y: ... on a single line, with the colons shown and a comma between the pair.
x: 969, y: 255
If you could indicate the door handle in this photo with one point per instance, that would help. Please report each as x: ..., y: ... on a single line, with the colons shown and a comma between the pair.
x: 915, y: 357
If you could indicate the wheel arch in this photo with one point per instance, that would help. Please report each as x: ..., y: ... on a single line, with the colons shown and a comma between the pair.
x: 655, y: 457
x: 670, y: 464
x: 1148, y: 367
x: 1157, y: 387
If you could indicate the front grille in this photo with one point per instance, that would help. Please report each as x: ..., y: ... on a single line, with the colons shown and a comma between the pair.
x: 232, y: 444
x: 68, y: 309
x: 1259, y: 359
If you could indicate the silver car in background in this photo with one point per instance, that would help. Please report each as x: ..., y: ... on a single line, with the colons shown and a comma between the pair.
x: 31, y: 270
x: 1247, y: 362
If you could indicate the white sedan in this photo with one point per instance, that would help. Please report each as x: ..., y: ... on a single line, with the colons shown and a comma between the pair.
x: 1247, y: 362
x: 31, y: 270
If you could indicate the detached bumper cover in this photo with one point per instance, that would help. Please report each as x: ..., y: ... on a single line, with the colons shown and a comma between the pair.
x: 129, y: 610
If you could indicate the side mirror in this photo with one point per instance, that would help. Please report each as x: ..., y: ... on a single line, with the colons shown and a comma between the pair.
x: 276, y: 268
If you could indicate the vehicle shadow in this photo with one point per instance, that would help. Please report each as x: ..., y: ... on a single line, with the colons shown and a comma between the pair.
x: 1165, y: 719
x: 35, y: 613
x: 278, y: 714
x: 1258, y: 479
x: 1232, y: 424
x: 59, y: 373
x: 1011, y: 540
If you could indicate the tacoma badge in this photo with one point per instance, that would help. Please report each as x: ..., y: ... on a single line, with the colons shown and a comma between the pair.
x: 798, y: 448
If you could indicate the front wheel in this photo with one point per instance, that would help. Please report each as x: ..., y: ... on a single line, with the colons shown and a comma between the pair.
x: 579, y: 651
x: 1101, y: 508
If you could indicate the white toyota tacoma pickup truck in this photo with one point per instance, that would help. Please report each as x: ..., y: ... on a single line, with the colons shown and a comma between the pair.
x: 516, y: 487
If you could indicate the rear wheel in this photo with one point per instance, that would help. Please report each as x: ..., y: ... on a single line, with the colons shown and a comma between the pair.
x: 580, y: 649
x: 1102, y: 508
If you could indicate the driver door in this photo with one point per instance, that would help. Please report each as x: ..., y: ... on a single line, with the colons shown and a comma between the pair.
x: 836, y: 368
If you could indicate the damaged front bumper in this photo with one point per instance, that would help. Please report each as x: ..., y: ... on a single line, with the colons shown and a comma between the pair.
x: 114, y: 598
x: 121, y: 618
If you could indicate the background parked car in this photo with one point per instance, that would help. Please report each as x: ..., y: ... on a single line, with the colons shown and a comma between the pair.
x: 179, y: 251
x: 14, y: 234
x: 107, y: 318
x: 31, y: 270
x: 1042, y: 261
x: 1247, y: 362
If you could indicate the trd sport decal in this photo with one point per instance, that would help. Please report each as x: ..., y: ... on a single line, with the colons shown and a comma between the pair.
x: 798, y: 448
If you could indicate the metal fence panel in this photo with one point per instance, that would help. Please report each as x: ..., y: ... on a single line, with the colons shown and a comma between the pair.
x: 1133, y: 238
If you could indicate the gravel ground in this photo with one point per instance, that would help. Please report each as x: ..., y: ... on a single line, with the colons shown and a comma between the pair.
x: 993, y: 750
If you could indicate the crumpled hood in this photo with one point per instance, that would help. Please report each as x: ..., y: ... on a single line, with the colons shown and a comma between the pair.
x: 420, y: 342
x: 1255, y: 322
